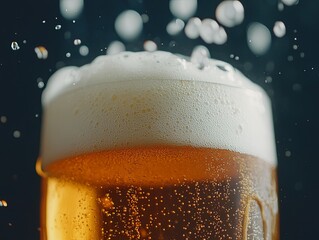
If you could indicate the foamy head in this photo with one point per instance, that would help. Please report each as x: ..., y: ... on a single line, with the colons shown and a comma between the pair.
x: 135, y: 99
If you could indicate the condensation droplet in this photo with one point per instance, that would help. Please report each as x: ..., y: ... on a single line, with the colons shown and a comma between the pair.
x: 115, y: 47
x: 230, y: 13
x: 279, y: 29
x: 41, y: 52
x: 129, y: 25
x: 58, y: 27
x: 16, y: 134
x: 183, y: 9
x: 77, y: 41
x: 290, y: 2
x: 208, y: 30
x: 84, y: 50
x: 193, y: 27
x: 200, y: 56
x: 71, y: 9
x: 150, y: 46
x: 175, y: 26
x: 15, y: 46
x: 258, y: 38
x: 3, y: 119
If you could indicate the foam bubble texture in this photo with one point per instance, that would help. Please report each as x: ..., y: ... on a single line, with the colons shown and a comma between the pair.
x: 134, y: 99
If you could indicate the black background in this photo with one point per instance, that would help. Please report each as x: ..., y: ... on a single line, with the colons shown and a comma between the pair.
x: 294, y: 91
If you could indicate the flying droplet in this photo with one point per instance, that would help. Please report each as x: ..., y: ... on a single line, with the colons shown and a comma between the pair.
x: 41, y: 52
x: 16, y: 134
x: 281, y: 6
x: 230, y: 13
x: 175, y: 26
x: 183, y: 9
x: 84, y: 50
x: 129, y: 25
x: 58, y: 27
x: 145, y: 18
x: 15, y: 46
x: 193, y: 27
x: 115, y: 47
x: 71, y: 9
x: 221, y: 36
x: 3, y: 119
x: 68, y: 54
x: 150, y: 46
x: 279, y: 29
x: 40, y: 84
x: 258, y: 38
x: 200, y: 56
x: 208, y: 30
x: 290, y: 2
x: 77, y: 41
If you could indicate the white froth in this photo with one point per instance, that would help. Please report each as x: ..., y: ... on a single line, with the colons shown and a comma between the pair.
x: 134, y: 99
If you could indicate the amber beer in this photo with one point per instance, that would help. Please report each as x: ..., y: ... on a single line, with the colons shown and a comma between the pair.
x: 147, y: 146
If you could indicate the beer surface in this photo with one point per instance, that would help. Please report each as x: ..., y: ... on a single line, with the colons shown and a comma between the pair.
x: 160, y: 192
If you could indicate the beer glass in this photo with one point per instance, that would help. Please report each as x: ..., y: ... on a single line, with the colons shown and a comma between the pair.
x: 149, y: 146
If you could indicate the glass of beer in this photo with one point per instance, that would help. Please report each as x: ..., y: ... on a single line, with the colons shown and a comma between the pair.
x: 151, y: 146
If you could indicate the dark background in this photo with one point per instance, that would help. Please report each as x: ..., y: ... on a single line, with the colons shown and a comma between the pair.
x: 292, y: 85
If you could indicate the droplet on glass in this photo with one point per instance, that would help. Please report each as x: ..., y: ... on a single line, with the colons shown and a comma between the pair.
x: 77, y: 41
x: 183, y: 9
x: 200, y: 56
x: 193, y: 27
x: 16, y: 134
x: 129, y: 25
x: 41, y: 52
x: 230, y: 13
x: 58, y: 27
x: 175, y: 26
x: 208, y: 30
x: 15, y: 46
x: 84, y: 50
x: 71, y: 9
x: 279, y: 29
x: 258, y: 38
x: 290, y: 2
x: 115, y: 47
x: 150, y: 46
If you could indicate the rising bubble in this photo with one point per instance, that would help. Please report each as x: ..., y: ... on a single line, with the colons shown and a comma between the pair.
x: 258, y: 38
x: 200, y: 56
x: 230, y: 13
x: 71, y: 9
x: 115, y: 47
x: 41, y: 52
x: 129, y: 25
x: 150, y: 46
x: 15, y: 46
x: 279, y: 29
x: 183, y: 9
x: 193, y: 27
x: 175, y: 27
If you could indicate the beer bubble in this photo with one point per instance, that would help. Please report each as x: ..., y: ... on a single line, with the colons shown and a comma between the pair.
x: 77, y: 41
x: 71, y: 9
x: 3, y: 119
x: 279, y: 29
x: 58, y: 27
x: 41, y: 52
x: 129, y: 25
x: 230, y: 13
x: 16, y: 134
x: 200, y: 56
x: 115, y: 47
x: 84, y: 50
x: 175, y: 26
x: 258, y: 38
x: 15, y: 46
x: 209, y: 30
x: 193, y: 27
x: 290, y: 2
x: 183, y: 9
x: 150, y: 46
x: 3, y: 203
